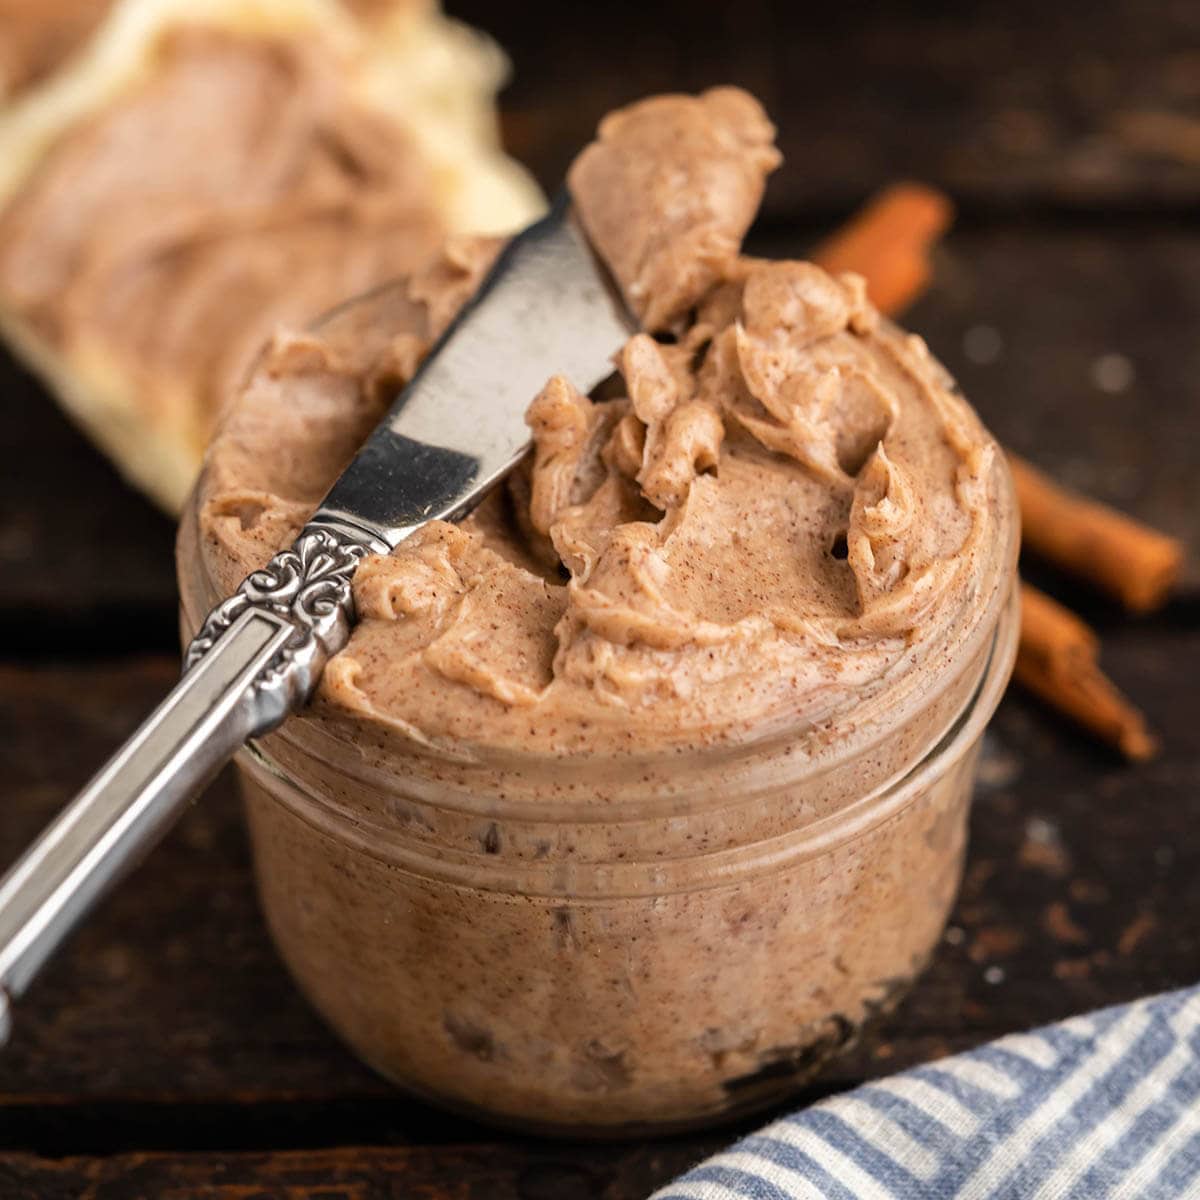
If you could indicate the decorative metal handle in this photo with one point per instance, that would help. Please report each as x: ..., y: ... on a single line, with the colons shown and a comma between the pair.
x: 308, y: 586
x: 256, y: 658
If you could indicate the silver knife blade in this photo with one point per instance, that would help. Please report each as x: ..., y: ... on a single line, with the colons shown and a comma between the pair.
x: 546, y: 307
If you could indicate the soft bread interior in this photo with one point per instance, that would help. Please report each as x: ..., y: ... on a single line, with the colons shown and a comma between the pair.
x: 406, y: 61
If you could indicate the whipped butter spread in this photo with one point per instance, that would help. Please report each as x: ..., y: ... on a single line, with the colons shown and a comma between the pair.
x: 784, y: 507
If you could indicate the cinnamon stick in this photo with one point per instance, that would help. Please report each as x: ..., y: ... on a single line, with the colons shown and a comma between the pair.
x: 1129, y: 560
x: 888, y: 242
x: 1057, y: 661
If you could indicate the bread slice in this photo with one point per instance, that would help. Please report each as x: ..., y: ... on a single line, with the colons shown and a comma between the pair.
x: 193, y: 175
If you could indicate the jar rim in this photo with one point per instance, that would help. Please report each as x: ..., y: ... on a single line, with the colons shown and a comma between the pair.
x: 465, y: 784
x: 650, y: 877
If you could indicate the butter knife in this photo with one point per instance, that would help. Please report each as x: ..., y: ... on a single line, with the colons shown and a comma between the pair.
x: 546, y: 307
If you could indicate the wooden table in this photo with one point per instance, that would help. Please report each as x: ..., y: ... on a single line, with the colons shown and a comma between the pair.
x: 165, y: 1053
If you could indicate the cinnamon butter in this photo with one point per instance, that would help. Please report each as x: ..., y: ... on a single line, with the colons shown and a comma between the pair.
x: 635, y: 793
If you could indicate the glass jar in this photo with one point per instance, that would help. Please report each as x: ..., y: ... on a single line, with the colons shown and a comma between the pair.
x: 667, y: 943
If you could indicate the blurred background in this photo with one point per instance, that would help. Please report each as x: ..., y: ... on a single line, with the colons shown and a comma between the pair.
x: 1066, y: 300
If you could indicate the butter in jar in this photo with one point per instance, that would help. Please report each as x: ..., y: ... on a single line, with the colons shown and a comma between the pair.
x: 636, y: 793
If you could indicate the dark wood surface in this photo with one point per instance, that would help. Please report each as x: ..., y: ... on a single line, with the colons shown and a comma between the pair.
x: 165, y: 1051
x: 1012, y: 104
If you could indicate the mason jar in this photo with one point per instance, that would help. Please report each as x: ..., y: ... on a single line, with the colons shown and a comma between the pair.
x: 581, y: 944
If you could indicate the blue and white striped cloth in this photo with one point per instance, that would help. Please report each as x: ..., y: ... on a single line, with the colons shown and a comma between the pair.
x: 1100, y: 1106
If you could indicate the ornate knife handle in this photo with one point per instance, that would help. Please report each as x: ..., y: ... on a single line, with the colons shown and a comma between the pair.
x: 308, y: 587
x: 257, y: 657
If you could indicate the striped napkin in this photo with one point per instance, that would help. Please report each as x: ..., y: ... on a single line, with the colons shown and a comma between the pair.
x: 1100, y: 1106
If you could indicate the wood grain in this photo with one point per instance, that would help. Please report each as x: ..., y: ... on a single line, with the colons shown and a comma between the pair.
x: 86, y: 564
x: 1008, y: 104
x: 467, y: 1172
